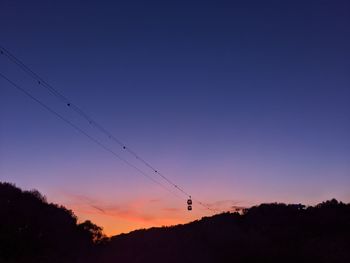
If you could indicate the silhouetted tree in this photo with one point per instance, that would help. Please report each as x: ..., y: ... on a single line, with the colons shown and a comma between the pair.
x: 93, y: 232
x: 32, y: 230
x: 265, y: 233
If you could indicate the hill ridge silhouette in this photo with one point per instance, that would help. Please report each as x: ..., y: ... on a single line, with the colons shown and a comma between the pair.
x: 33, y: 230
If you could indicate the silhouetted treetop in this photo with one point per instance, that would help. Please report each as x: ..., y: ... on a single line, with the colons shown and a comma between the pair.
x: 274, y: 232
x: 33, y: 230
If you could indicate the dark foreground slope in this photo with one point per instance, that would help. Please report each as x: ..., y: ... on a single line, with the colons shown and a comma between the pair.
x: 267, y: 233
x: 31, y: 230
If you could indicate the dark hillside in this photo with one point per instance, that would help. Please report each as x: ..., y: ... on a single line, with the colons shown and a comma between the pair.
x: 32, y: 230
x: 266, y: 233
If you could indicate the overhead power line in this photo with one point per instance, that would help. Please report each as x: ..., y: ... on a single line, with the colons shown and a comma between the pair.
x: 83, y: 132
x: 40, y: 81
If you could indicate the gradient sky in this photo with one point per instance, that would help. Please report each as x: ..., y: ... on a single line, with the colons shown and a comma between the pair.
x: 238, y: 102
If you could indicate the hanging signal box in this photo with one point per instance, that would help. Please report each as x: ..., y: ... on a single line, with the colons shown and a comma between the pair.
x: 189, y: 207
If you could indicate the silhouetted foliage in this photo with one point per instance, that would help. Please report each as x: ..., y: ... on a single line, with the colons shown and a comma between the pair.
x: 265, y: 233
x: 93, y: 232
x: 32, y: 230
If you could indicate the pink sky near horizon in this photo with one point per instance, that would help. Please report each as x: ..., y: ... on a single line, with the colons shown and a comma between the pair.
x: 119, y: 205
x: 237, y: 103
x: 118, y: 217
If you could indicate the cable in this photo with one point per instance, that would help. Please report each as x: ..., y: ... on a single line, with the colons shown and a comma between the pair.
x: 84, y: 133
x: 92, y: 122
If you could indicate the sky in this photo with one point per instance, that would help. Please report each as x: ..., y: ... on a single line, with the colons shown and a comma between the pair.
x: 237, y: 102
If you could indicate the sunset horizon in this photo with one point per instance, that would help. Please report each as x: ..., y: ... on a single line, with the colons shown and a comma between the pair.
x: 142, y: 114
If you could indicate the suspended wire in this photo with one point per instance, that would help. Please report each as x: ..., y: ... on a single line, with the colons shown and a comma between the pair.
x: 93, y: 123
x: 85, y: 133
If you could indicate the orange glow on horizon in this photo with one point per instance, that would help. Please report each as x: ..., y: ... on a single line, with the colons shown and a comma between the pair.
x: 128, y: 216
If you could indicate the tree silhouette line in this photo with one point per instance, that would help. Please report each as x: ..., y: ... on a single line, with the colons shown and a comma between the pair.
x: 33, y: 230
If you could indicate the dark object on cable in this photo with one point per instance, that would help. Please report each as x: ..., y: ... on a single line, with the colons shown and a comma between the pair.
x: 189, y: 204
x: 189, y: 201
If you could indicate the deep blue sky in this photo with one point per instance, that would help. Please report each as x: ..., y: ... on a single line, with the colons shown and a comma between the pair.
x: 234, y: 100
